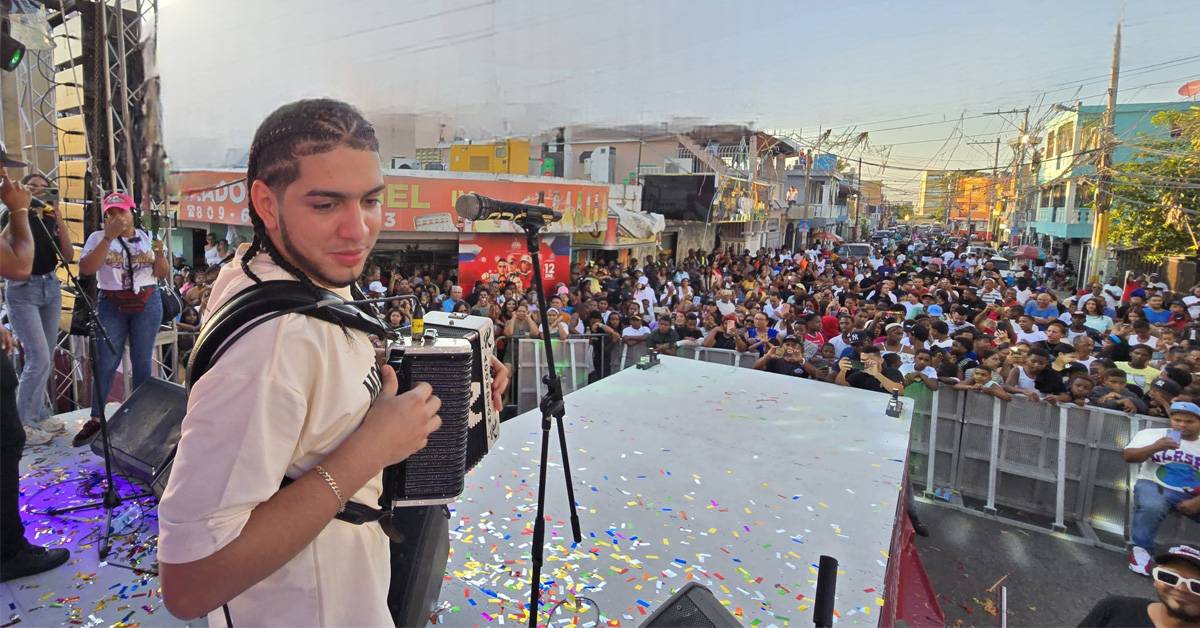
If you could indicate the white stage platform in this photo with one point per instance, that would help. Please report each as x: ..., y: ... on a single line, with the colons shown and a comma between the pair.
x: 734, y: 478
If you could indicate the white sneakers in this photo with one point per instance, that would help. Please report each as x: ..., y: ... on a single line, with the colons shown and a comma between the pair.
x: 1140, y: 561
x: 34, y: 436
x: 43, y: 431
x: 52, y: 425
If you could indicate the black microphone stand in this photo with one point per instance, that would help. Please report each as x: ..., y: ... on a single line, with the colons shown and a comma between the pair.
x: 111, y: 500
x: 552, y: 406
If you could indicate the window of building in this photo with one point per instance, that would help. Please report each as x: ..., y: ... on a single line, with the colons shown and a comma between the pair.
x: 1044, y: 197
x: 1059, y: 196
x: 1066, y: 140
x: 1050, y: 144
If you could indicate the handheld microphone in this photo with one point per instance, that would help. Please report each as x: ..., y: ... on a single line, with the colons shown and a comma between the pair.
x: 478, y: 207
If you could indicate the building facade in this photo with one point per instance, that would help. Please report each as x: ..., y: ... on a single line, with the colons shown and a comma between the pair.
x: 976, y: 204
x: 933, y: 197
x: 1066, y: 173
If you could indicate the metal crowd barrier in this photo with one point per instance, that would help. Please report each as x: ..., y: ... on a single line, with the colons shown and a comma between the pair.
x: 1061, y: 463
x: 578, y: 365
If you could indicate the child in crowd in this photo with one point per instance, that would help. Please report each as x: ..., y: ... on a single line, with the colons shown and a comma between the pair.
x: 984, y: 380
x: 1115, y: 394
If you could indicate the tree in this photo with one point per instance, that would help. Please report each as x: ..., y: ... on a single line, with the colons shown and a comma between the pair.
x: 1156, y: 195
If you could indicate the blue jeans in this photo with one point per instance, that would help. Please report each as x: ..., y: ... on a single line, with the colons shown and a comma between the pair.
x: 1151, y: 504
x: 34, y: 307
x: 140, y: 329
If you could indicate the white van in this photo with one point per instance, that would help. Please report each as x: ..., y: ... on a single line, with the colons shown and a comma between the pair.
x: 855, y: 249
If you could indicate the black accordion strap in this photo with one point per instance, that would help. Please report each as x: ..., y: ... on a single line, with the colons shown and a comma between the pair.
x: 355, y: 512
x: 264, y: 301
x: 267, y: 300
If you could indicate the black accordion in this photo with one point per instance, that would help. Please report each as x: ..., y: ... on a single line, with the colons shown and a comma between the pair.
x: 453, y: 357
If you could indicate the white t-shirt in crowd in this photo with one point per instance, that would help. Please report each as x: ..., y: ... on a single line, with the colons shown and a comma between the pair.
x: 909, y: 367
x: 1193, y: 306
x: 1151, y: 342
x: 636, y: 333
x: 726, y: 307
x: 1173, y: 469
x: 1031, y: 337
x: 112, y: 273
x: 282, y: 398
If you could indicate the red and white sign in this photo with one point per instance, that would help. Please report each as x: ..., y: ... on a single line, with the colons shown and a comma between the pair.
x: 410, y: 202
x: 487, y: 256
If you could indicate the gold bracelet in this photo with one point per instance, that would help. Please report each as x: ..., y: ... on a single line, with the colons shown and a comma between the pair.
x: 337, y: 492
x: 19, y: 209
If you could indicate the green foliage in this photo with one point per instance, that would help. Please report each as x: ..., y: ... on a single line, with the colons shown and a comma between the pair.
x: 1156, y: 195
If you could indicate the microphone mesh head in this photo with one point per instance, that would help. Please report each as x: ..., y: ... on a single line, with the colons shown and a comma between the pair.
x: 468, y: 206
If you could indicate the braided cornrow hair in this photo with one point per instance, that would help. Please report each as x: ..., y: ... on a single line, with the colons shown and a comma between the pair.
x: 302, y: 128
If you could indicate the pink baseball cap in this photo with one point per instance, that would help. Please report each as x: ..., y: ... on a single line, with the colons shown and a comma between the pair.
x: 117, y: 200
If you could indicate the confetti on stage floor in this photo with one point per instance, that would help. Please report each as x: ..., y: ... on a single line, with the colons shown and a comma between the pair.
x: 742, y: 499
x: 122, y: 592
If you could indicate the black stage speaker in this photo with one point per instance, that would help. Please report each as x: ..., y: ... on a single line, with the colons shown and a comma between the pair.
x: 143, y: 432
x: 420, y: 549
x: 693, y: 606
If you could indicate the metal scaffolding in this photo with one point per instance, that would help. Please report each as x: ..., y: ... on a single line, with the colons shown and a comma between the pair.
x: 35, y: 111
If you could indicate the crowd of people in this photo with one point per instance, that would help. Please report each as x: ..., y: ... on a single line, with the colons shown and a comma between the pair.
x: 912, y: 318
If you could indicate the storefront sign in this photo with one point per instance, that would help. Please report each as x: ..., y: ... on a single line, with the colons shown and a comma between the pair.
x: 487, y: 256
x: 410, y: 203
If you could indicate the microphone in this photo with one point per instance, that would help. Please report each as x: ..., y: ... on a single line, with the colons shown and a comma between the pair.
x: 36, y: 203
x: 478, y: 207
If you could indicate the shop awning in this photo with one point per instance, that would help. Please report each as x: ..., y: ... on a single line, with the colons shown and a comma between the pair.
x: 624, y: 229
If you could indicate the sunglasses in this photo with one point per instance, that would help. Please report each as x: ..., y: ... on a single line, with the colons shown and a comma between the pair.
x: 1170, y: 578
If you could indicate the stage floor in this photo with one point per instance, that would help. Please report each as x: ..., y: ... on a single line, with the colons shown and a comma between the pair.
x: 730, y: 477
x: 83, y: 592
x: 736, y: 479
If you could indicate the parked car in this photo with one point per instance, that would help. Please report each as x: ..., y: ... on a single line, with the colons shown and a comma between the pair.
x: 855, y: 249
x: 981, y: 251
x: 1003, y: 265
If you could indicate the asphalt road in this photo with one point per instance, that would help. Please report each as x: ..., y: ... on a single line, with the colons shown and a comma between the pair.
x: 1051, y: 581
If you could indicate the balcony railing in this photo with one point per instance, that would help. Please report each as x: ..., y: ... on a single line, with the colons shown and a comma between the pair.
x: 1065, y: 215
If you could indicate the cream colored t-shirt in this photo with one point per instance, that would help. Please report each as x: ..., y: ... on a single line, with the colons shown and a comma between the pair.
x: 279, y: 401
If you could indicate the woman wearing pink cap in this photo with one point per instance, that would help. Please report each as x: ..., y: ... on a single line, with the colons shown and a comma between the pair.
x: 127, y: 265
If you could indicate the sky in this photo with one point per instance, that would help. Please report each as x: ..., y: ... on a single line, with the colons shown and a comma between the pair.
x: 513, y: 67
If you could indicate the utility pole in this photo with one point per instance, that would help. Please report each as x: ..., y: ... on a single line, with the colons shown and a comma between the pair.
x: 1023, y: 140
x: 1104, y: 185
x: 857, y: 203
x: 993, y: 215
